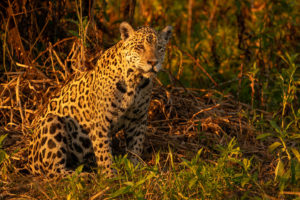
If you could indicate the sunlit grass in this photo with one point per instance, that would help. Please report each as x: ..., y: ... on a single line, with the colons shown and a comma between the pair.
x: 195, y: 178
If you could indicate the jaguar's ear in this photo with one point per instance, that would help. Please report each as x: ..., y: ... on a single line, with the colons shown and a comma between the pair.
x: 166, y: 33
x: 126, y: 30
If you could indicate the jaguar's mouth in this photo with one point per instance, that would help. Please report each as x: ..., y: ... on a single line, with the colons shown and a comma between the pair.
x: 150, y: 71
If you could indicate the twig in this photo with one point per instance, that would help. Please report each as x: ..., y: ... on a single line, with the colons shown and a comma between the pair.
x: 204, y: 110
x: 198, y: 65
x: 56, y: 44
x: 99, y: 194
x: 291, y: 193
x: 19, y: 102
x: 189, y: 22
x: 39, y: 36
x: 14, y: 108
x: 212, y: 15
x: 61, y: 64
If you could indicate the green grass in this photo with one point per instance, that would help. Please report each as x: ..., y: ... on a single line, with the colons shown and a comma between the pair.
x: 226, y: 177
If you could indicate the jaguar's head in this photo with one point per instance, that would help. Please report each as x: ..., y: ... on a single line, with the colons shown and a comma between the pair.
x: 144, y: 49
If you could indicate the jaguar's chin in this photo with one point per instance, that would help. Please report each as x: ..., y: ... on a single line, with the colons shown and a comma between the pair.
x: 149, y: 72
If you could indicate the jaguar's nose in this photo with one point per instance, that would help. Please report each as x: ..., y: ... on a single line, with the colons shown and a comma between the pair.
x: 153, y: 63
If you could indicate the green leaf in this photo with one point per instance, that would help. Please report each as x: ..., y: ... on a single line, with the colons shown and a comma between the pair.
x: 192, y: 182
x: 79, y: 169
x: 275, y: 126
x: 69, y: 197
x: 198, y: 154
x: 263, y: 136
x: 279, y: 170
x: 293, y: 171
x: 121, y: 191
x: 246, y: 164
x: 171, y: 158
x: 2, y: 137
x: 72, y: 21
x: 244, y: 181
x: 129, y: 183
x: 144, y: 180
x: 296, y: 136
x: 157, y: 158
x: 85, y: 21
x: 74, y: 33
x: 273, y: 146
x: 185, y: 163
x: 296, y: 153
x: 3, y: 156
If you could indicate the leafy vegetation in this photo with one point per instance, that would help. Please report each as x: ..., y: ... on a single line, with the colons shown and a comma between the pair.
x: 224, y: 119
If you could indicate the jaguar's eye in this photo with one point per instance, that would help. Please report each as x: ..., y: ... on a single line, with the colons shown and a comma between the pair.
x: 140, y: 48
x: 149, y: 39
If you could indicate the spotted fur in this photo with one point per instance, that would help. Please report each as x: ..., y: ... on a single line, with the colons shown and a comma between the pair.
x: 82, y: 119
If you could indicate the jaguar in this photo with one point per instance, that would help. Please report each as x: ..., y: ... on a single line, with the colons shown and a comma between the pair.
x: 81, y: 120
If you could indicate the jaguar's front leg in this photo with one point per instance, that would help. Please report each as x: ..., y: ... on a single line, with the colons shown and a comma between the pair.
x: 135, y: 137
x: 101, y: 139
